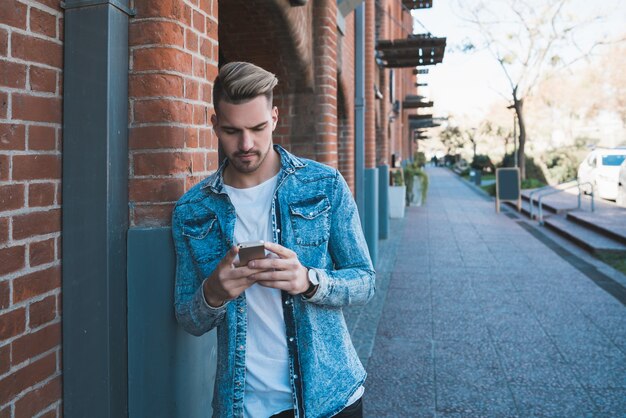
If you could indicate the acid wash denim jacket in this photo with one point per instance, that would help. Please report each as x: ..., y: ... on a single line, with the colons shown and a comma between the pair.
x: 313, y: 214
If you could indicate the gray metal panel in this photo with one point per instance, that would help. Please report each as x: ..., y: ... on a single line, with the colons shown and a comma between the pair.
x: 170, y: 373
x: 383, y: 201
x: 371, y: 212
x: 345, y: 7
x: 95, y: 212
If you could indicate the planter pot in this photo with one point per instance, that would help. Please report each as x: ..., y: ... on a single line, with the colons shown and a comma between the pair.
x: 397, y: 199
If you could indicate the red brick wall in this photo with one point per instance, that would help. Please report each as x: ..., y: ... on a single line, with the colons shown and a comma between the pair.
x: 345, y: 112
x: 174, y: 57
x: 31, y: 57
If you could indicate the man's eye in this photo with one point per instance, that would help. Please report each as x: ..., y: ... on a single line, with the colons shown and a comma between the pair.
x: 229, y: 131
x: 259, y: 129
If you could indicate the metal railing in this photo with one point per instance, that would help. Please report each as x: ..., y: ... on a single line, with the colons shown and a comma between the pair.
x: 551, y: 192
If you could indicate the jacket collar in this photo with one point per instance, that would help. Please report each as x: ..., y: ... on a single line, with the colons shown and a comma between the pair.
x: 288, y: 164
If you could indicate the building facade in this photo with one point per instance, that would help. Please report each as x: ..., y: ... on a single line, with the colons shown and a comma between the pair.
x: 104, y: 124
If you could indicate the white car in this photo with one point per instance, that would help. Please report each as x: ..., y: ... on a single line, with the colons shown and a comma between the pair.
x: 600, y: 170
x: 621, y: 185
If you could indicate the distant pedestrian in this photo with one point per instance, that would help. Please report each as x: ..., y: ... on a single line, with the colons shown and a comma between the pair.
x: 283, y: 345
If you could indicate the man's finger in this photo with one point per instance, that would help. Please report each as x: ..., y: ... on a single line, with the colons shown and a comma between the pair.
x: 273, y: 276
x: 279, y: 250
x: 230, y: 256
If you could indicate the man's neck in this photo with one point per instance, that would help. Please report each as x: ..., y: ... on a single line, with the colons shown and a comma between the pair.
x: 268, y: 169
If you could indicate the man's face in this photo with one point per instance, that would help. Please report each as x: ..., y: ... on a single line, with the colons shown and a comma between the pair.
x: 245, y: 132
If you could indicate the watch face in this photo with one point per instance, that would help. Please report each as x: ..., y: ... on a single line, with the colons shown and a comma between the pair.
x: 313, y: 277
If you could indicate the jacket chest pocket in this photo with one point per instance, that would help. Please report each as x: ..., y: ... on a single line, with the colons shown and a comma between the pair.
x: 204, y: 236
x: 310, y: 220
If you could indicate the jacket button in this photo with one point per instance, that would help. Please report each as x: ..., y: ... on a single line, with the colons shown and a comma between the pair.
x: 290, y: 338
x: 241, y: 347
x: 286, y: 302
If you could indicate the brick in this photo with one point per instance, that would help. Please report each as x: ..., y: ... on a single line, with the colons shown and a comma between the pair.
x: 4, y: 43
x: 205, y: 50
x: 163, y: 110
x: 42, y: 311
x: 162, y: 163
x: 198, y: 21
x: 37, y: 283
x: 207, y: 92
x: 12, y: 323
x: 4, y: 230
x: 187, y: 15
x: 35, y: 343
x: 12, y: 137
x: 36, y: 50
x: 211, y: 28
x: 43, y: 79
x: 163, y: 8
x: 41, y: 138
x: 12, y: 259
x: 156, y: 33
x: 191, y: 41
x: 199, y: 115
x: 205, y: 6
x: 12, y: 75
x: 211, y: 72
x: 150, y: 85
x: 41, y: 252
x: 37, y: 109
x: 39, y: 399
x: 156, y: 190
x: 13, y: 13
x: 155, y: 137
x: 41, y: 166
x: 4, y: 167
x: 51, y: 414
x: 199, y: 67
x: 26, y: 377
x: 4, y: 103
x: 43, y: 22
x: 11, y: 197
x: 41, y: 194
x: 192, y: 88
x: 53, y: 4
x: 36, y: 223
x: 5, y: 359
x: 161, y: 59
x: 153, y: 215
x: 61, y: 28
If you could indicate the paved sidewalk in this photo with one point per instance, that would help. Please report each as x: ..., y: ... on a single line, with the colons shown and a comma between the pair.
x: 475, y: 316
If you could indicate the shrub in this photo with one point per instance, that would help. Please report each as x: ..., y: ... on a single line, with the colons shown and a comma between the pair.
x: 419, y: 158
x: 533, y: 171
x: 397, y: 178
x: 483, y: 163
x: 411, y: 171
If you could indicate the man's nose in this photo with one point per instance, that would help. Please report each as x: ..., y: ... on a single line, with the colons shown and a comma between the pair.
x: 246, y: 142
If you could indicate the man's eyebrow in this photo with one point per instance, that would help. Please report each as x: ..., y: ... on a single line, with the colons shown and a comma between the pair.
x: 258, y: 126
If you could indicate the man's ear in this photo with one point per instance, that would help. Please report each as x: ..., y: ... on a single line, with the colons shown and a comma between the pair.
x: 214, y: 120
x: 274, y: 117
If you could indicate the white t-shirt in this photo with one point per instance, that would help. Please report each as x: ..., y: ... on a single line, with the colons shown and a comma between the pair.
x: 268, y: 390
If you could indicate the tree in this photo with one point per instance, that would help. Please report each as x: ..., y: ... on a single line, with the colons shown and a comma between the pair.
x: 532, y: 40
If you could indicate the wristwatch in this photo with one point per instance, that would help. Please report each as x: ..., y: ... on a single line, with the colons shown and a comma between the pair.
x: 313, y: 283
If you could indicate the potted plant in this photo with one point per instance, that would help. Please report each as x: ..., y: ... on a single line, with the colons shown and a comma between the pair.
x: 416, y: 181
x: 397, y: 193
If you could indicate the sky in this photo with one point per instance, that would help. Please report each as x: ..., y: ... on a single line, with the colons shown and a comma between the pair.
x: 468, y: 84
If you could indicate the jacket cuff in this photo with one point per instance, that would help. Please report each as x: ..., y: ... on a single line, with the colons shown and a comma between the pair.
x: 204, y: 305
x: 322, y: 289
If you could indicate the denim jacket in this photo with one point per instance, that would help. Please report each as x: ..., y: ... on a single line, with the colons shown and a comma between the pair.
x: 313, y: 214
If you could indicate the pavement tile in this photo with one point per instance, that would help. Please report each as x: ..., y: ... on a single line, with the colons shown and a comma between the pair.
x: 609, y: 403
x: 547, y: 401
x: 463, y: 400
x: 536, y: 363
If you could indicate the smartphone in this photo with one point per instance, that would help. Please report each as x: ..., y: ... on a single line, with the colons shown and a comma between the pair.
x: 251, y: 250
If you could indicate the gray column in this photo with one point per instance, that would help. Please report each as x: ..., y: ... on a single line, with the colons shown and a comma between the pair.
x: 95, y: 209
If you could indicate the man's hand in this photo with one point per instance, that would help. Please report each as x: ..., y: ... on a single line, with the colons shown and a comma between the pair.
x: 284, y: 273
x: 227, y: 281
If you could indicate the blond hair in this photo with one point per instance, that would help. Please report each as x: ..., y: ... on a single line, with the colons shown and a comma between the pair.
x: 238, y: 82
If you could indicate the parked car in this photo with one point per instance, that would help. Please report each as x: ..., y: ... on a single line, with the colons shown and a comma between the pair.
x: 600, y: 170
x: 621, y: 185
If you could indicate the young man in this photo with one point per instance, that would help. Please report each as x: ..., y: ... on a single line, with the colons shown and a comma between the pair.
x: 283, y: 346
